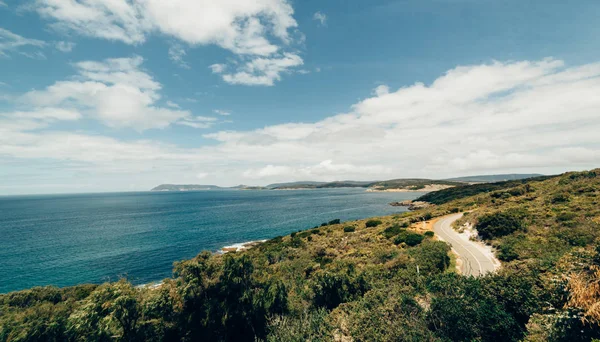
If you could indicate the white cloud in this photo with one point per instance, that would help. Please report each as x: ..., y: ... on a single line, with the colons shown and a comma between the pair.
x: 115, y: 91
x: 13, y: 43
x: 198, y: 122
x: 218, y: 68
x: 524, y: 116
x: 263, y: 71
x: 222, y: 112
x: 176, y: 54
x: 3, y: 4
x: 173, y: 105
x: 321, y: 18
x: 64, y: 46
x: 381, y: 90
x: 327, y: 170
x: 246, y: 28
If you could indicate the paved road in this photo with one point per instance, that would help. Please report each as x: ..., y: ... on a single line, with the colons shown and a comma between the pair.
x: 475, y: 262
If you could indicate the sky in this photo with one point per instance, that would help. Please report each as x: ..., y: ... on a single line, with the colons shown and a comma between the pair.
x: 123, y: 95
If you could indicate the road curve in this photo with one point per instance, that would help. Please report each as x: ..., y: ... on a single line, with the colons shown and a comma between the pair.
x: 475, y: 262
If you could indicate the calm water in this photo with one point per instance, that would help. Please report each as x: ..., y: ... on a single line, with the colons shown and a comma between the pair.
x: 70, y: 239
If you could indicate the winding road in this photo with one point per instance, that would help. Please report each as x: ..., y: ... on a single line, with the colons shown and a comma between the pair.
x: 476, y: 261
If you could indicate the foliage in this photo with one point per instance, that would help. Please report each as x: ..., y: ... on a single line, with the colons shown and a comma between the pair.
x: 349, y: 282
x: 464, y: 191
x: 498, y: 224
x: 372, y: 223
x: 392, y: 231
x: 411, y: 239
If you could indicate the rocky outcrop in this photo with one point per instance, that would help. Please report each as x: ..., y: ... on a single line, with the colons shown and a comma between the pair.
x: 412, y: 205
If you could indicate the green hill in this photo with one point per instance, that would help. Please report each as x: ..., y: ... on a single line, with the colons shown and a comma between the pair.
x: 382, y: 279
x: 494, y: 178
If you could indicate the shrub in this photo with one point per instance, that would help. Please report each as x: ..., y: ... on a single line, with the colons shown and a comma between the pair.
x: 372, y: 223
x: 560, y: 198
x: 506, y: 250
x: 565, y: 216
x: 336, y: 221
x: 349, y: 229
x: 498, y: 224
x: 429, y: 234
x: 392, y: 231
x: 333, y: 288
x: 431, y: 256
x: 411, y: 239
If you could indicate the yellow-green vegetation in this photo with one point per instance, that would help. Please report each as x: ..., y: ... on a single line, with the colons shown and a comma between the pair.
x: 380, y: 279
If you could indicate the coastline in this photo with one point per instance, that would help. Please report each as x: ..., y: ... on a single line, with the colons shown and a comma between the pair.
x: 427, y: 188
x: 236, y: 247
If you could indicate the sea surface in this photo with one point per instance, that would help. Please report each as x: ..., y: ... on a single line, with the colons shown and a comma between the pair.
x: 65, y: 240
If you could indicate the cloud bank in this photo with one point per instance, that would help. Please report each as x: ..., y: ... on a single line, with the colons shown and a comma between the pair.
x: 495, y: 117
x: 253, y: 30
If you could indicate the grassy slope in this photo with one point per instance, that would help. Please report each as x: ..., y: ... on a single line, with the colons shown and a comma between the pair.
x: 352, y: 280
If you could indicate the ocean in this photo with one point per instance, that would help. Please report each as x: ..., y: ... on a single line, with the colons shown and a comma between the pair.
x: 64, y: 240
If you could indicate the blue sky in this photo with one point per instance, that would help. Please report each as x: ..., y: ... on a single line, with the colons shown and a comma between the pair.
x: 99, y: 95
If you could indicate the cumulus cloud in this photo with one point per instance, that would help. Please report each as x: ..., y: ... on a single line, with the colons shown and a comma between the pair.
x: 176, y: 54
x: 218, y: 68
x: 115, y: 91
x: 247, y: 28
x: 11, y: 43
x: 327, y: 170
x: 320, y: 17
x: 64, y: 46
x: 263, y: 71
x: 530, y: 116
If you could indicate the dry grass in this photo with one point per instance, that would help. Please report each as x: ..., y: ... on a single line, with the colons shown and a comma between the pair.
x: 584, y: 288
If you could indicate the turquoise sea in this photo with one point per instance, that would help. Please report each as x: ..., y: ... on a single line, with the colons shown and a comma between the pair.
x: 65, y: 240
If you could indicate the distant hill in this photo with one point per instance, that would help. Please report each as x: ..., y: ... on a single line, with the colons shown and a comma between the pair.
x: 185, y: 187
x: 494, y: 178
x: 409, y: 184
x: 414, y: 184
x: 300, y: 184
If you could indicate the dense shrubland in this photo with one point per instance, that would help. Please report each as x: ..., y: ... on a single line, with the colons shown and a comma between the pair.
x: 360, y: 281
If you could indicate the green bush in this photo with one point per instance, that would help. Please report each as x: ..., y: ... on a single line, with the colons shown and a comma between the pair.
x: 560, y: 198
x: 335, y: 287
x: 336, y: 221
x: 349, y: 229
x: 372, y: 223
x: 565, y: 216
x: 411, y: 239
x: 498, y: 224
x: 392, y: 231
x: 429, y: 234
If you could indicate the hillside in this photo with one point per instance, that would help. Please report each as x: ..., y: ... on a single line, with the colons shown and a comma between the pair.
x: 382, y: 279
x: 494, y: 178
x: 294, y: 184
x: 394, y: 184
x: 415, y: 184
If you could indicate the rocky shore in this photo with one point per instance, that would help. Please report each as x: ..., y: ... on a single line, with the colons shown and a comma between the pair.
x: 412, y: 205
